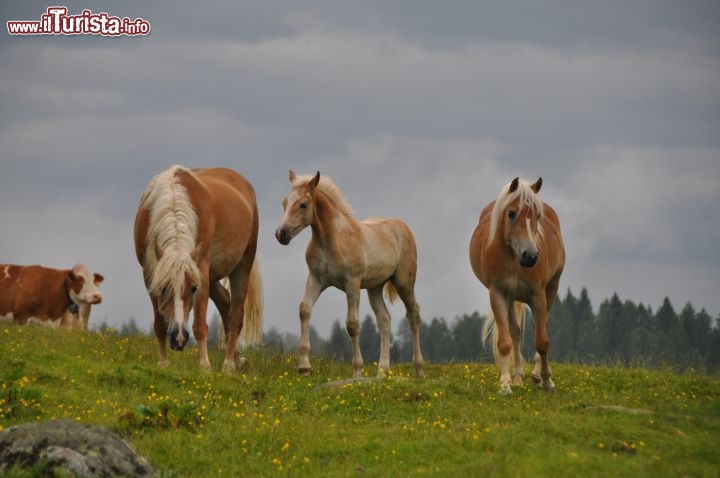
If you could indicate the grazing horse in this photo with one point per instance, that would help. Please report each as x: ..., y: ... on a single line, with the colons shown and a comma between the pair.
x: 193, y: 228
x: 350, y: 255
x: 517, y: 252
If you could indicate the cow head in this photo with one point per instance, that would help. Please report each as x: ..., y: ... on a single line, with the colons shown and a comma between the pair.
x: 83, y: 286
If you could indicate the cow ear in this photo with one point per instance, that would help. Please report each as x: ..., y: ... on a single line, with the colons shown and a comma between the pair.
x: 98, y: 278
x: 536, y: 187
x: 514, y: 185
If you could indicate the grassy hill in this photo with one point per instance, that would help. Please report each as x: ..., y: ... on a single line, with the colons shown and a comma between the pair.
x: 268, y: 421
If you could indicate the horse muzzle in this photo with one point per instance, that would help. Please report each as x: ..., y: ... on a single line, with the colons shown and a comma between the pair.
x: 283, y: 236
x: 178, y: 338
x: 528, y: 259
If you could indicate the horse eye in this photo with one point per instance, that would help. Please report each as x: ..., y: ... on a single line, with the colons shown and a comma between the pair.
x: 303, y: 205
x: 512, y: 215
x: 194, y: 288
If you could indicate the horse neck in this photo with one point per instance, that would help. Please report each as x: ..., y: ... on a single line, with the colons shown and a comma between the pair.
x: 327, y: 219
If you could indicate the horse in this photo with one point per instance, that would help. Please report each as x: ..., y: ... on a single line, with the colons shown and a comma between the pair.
x: 194, y: 228
x: 376, y: 254
x: 517, y: 252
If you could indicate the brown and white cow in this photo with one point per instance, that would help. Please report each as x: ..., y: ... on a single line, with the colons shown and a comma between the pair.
x: 52, y: 297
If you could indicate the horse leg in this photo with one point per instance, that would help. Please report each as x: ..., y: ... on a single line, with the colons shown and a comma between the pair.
x: 352, y: 323
x: 200, y: 328
x: 515, y: 322
x: 312, y: 292
x: 383, y: 321
x: 406, y: 293
x: 221, y: 298
x: 160, y: 326
x: 500, y: 308
x: 239, y: 281
x: 542, y: 345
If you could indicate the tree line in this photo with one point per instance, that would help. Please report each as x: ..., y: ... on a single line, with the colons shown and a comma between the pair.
x: 621, y: 332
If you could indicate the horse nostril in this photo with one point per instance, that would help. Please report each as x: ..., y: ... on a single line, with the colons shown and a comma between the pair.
x: 282, y: 236
x: 528, y: 259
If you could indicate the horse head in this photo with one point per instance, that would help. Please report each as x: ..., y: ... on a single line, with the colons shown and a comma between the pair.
x: 521, y: 220
x: 175, y: 281
x: 298, y: 207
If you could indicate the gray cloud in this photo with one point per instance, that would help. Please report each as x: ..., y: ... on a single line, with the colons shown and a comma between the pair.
x: 419, y: 112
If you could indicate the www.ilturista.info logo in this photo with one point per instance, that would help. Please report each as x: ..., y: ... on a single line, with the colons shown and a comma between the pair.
x: 57, y: 22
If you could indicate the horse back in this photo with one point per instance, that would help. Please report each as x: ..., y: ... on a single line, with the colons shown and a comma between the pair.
x: 478, y: 244
x: 226, y: 200
x: 553, y: 242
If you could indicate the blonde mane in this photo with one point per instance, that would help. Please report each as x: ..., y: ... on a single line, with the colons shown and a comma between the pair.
x: 172, y: 233
x: 528, y: 198
x: 330, y: 189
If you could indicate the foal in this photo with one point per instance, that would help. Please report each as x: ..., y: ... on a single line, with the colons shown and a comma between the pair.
x: 350, y: 255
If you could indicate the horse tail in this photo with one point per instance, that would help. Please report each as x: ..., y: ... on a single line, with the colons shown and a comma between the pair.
x: 220, y: 329
x: 520, y: 309
x: 251, y: 332
x: 489, y: 329
x: 219, y: 326
x: 391, y: 292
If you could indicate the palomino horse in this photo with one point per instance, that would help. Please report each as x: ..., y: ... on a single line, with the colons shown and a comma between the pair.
x: 517, y: 252
x: 351, y: 255
x: 193, y: 228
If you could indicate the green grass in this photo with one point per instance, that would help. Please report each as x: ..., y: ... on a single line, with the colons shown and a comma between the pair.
x: 268, y: 421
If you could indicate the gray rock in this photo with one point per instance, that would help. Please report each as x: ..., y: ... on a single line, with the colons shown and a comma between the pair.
x: 76, y: 449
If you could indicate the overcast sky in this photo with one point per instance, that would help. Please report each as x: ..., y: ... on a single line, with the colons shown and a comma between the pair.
x: 420, y: 110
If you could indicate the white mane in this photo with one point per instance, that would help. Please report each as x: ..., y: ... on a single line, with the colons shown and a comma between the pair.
x: 528, y: 198
x: 172, y: 232
x: 330, y: 189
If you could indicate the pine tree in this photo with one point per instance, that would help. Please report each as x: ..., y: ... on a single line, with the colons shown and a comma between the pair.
x: 609, y: 326
x: 402, y: 346
x: 339, y: 345
x: 273, y: 340
x: 561, y: 328
x: 666, y: 318
x: 436, y: 340
x: 465, y: 335
x: 587, y: 339
x: 369, y: 340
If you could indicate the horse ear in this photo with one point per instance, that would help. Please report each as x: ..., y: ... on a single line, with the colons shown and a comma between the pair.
x: 292, y: 175
x: 536, y: 187
x: 514, y: 185
x: 315, y: 180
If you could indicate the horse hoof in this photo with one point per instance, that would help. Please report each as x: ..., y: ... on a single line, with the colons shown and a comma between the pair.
x: 305, y: 371
x: 241, y: 362
x: 228, y: 367
x: 536, y: 380
x: 205, y: 366
x: 505, y: 390
x: 164, y: 363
